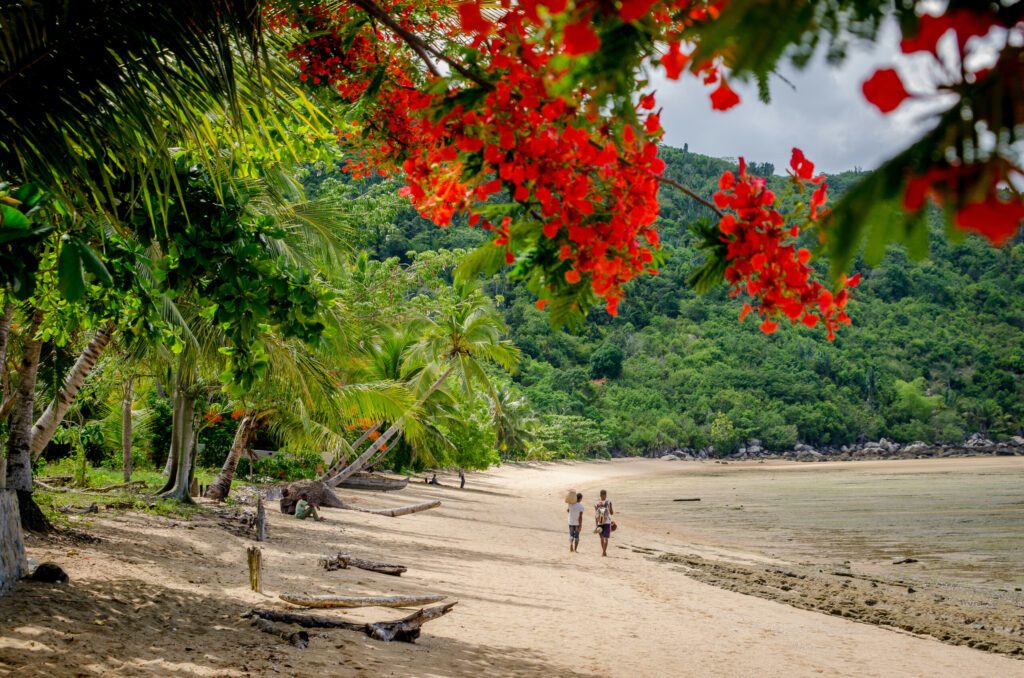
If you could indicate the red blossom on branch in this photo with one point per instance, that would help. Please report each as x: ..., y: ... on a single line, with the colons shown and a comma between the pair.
x: 763, y: 258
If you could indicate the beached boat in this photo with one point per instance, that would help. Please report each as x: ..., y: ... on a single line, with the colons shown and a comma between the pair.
x: 372, y: 481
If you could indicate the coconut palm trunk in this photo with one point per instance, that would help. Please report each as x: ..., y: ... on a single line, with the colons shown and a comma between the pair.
x: 243, y: 439
x: 182, y: 439
x: 19, y: 439
x: 46, y: 425
x: 326, y: 477
x: 5, y: 331
x: 127, y: 396
x: 363, y: 459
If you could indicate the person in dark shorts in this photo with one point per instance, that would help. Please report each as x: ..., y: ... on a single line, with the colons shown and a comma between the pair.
x: 575, y: 523
x: 603, y: 516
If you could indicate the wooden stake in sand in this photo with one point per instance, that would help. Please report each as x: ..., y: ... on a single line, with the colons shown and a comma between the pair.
x: 255, y: 556
x: 261, y: 520
x: 405, y: 630
x: 325, y: 602
x: 400, y: 510
x: 343, y: 561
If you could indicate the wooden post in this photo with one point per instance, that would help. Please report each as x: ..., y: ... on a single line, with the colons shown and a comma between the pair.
x: 261, y: 520
x: 255, y: 554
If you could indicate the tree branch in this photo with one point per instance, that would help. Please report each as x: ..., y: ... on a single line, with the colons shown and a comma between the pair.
x: 418, y: 45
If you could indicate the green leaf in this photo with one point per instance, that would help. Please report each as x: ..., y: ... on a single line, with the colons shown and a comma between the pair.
x: 94, y: 265
x: 13, y: 218
x: 69, y: 265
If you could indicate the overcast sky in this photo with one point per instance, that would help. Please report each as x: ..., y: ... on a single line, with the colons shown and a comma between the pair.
x: 826, y: 116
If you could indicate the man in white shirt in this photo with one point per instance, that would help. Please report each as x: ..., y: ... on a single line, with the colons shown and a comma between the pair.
x: 575, y: 522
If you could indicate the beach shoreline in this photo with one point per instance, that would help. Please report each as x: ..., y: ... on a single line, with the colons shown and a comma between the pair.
x: 159, y: 596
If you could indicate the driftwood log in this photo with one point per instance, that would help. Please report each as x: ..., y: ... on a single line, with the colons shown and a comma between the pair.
x: 405, y: 630
x: 343, y: 561
x: 299, y: 639
x: 326, y: 602
x: 399, y: 510
x: 688, y: 499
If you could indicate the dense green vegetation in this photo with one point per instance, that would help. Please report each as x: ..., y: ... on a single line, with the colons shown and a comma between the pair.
x: 936, y: 350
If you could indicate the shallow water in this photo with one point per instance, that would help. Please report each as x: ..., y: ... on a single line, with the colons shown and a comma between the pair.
x: 962, y: 519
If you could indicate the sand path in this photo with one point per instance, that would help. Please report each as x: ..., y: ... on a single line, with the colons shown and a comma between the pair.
x: 526, y: 605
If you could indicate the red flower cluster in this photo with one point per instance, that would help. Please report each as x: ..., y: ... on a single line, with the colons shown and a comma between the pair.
x: 999, y: 211
x: 991, y: 216
x: 763, y: 258
x: 591, y: 185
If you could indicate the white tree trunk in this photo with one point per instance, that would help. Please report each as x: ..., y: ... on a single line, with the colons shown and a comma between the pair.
x: 19, y: 438
x: 355, y: 446
x: 47, y: 424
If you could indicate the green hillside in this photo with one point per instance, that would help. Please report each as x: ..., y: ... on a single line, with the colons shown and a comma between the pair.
x: 936, y: 350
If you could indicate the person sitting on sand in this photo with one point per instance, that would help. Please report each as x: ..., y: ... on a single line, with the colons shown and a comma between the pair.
x: 303, y: 509
x: 434, y: 480
x: 575, y: 523
x: 603, y: 516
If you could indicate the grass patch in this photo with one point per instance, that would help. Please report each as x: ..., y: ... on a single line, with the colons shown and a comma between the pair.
x: 59, y: 506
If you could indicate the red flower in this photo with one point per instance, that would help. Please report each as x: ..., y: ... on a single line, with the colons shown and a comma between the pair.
x: 723, y: 98
x: 802, y: 167
x: 996, y: 220
x: 572, y: 276
x: 632, y: 10
x: 674, y: 61
x: 580, y: 38
x: 471, y: 19
x: 885, y: 90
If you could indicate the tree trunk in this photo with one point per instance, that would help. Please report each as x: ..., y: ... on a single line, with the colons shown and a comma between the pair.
x: 19, y: 438
x: 362, y: 460
x: 399, y: 510
x: 243, y: 438
x: 127, y: 396
x: 359, y: 601
x: 343, y: 561
x: 406, y: 629
x: 5, y: 331
x: 47, y: 424
x: 182, y: 440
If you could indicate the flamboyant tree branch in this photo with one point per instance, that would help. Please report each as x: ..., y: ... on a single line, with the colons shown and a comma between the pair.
x: 418, y: 44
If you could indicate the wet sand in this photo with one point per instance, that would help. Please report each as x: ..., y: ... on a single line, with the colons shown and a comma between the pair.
x: 164, y: 597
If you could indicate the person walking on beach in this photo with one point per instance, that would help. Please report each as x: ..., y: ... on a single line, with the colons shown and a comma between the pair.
x: 575, y: 523
x: 603, y: 516
x: 462, y: 478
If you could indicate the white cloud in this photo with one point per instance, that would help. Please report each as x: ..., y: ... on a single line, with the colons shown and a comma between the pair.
x: 824, y: 114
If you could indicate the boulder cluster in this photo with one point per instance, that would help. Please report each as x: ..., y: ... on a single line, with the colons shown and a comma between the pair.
x: 975, y: 445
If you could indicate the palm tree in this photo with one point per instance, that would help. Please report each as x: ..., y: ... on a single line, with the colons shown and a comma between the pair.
x: 514, y: 422
x: 300, y: 402
x: 461, y: 338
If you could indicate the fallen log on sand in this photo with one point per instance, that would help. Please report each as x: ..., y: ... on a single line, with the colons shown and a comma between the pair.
x: 343, y: 561
x: 688, y: 499
x: 299, y: 639
x: 400, y: 510
x: 405, y: 630
x: 359, y: 601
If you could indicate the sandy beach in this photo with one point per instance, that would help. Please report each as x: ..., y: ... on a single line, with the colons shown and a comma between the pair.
x: 750, y: 582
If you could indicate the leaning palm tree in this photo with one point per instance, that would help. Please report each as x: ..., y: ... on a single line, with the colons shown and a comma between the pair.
x: 300, y: 402
x: 461, y: 338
